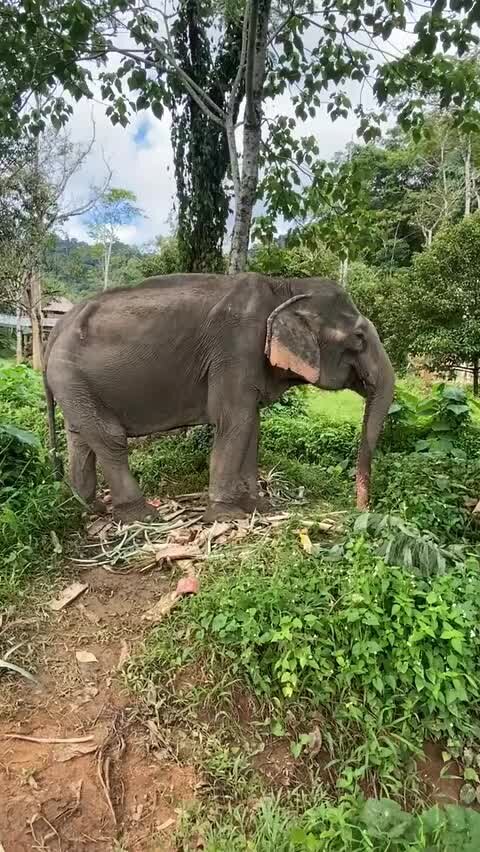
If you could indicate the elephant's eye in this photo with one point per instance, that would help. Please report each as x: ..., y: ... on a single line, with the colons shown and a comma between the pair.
x: 359, y: 341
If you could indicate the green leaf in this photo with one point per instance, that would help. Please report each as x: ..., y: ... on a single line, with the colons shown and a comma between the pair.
x: 470, y: 774
x: 20, y: 435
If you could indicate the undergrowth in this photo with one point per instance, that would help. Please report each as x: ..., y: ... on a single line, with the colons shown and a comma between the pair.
x: 371, y: 637
x: 36, y: 512
x: 354, y: 825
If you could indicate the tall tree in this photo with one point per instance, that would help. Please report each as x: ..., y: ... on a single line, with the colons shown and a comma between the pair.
x: 442, y: 300
x: 114, y: 209
x: 33, y: 202
x: 347, y: 41
x: 200, y: 148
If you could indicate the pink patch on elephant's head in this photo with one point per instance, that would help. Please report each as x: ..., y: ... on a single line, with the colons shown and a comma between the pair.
x: 362, y: 492
x: 280, y: 356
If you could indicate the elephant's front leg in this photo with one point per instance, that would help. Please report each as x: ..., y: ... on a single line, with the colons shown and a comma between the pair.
x: 233, y: 465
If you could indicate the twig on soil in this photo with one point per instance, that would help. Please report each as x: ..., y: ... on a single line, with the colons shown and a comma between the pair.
x: 4, y: 664
x: 103, y: 772
x: 87, y: 739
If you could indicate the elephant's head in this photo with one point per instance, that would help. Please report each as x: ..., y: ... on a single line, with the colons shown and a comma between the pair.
x: 319, y: 335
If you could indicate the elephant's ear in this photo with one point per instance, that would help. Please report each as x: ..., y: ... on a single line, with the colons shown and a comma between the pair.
x: 290, y: 342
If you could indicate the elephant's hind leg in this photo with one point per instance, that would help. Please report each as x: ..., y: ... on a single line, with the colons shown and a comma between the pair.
x: 98, y: 433
x: 81, y: 468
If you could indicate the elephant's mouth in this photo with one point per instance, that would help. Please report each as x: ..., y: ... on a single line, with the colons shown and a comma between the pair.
x: 358, y: 383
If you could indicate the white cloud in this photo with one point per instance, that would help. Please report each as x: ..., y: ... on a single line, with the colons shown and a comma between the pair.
x: 145, y: 168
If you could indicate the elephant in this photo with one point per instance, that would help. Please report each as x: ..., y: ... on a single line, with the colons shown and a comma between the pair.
x: 188, y: 349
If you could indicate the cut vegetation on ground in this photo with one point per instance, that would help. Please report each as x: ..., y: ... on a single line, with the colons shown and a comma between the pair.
x: 321, y: 690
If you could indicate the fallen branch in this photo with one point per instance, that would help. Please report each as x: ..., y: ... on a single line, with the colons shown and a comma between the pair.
x: 48, y: 739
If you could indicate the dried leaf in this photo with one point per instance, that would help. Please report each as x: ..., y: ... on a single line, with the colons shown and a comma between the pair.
x: 85, y: 657
x: 69, y: 594
x: 57, y: 547
x: 124, y: 654
x: 137, y: 813
x: 187, y: 586
x: 99, y: 528
x: 315, y: 741
x: 467, y: 794
x: 69, y: 752
x: 326, y: 526
x: 305, y: 541
x: 217, y: 529
x: 167, y: 824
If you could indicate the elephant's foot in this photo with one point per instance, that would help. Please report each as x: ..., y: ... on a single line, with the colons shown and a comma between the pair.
x: 98, y: 507
x: 128, y: 513
x: 223, y: 512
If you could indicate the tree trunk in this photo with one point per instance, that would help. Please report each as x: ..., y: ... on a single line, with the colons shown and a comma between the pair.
x: 19, y: 336
x: 244, y: 205
x: 468, y: 178
x: 34, y: 294
x: 344, y: 271
x: 259, y: 12
x: 476, y: 362
x: 106, y: 264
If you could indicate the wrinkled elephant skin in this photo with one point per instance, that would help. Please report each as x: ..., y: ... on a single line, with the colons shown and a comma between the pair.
x: 191, y: 349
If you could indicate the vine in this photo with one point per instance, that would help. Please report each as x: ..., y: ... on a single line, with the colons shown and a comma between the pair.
x: 200, y: 148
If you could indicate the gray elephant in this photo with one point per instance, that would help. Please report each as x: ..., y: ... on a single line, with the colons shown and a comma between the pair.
x: 182, y: 350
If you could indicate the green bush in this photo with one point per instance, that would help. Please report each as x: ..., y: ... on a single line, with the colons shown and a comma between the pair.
x: 293, y: 403
x: 34, y: 509
x: 440, y: 422
x: 309, y: 440
x: 391, y: 657
x: 428, y: 490
x: 171, y: 462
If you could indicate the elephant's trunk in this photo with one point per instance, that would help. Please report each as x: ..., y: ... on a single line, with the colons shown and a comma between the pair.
x: 379, y: 378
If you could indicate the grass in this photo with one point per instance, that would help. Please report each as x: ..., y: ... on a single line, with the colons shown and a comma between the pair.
x: 309, y: 824
x: 341, y: 406
x: 323, y: 660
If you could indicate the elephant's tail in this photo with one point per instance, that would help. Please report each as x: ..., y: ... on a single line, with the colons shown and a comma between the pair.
x: 52, y: 432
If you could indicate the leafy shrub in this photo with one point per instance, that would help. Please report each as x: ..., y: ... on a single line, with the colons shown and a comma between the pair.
x: 405, y: 545
x: 295, y: 261
x: 438, y: 423
x: 33, y: 507
x: 171, y: 462
x: 293, y: 403
x: 428, y: 491
x: 308, y: 440
x: 404, y: 651
x: 20, y: 385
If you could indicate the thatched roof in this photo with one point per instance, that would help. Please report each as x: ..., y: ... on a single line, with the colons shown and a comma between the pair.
x: 58, y: 306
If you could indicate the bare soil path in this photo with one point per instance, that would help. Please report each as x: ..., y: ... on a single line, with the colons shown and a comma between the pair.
x: 111, y: 785
x: 123, y: 793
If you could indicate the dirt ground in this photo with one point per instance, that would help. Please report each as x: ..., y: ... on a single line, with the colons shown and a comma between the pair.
x: 81, y: 767
x: 124, y: 793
